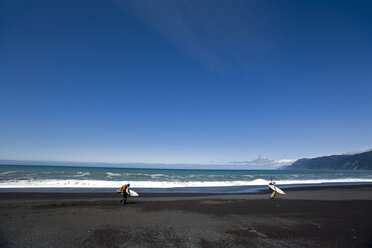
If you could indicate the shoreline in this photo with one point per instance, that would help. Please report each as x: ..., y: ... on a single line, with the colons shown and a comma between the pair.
x: 246, y: 189
x: 330, y: 192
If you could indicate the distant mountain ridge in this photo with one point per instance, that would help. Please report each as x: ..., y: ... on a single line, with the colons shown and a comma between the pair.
x: 361, y: 161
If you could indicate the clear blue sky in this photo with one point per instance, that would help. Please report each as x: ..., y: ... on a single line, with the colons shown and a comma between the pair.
x: 184, y: 81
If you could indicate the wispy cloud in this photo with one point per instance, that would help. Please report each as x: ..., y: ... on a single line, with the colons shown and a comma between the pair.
x: 368, y: 149
x: 264, y: 161
x: 221, y: 35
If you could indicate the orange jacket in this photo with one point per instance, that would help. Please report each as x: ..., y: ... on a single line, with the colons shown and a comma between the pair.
x: 123, y: 188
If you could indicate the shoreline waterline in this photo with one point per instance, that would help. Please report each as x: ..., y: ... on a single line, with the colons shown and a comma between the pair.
x: 187, y: 190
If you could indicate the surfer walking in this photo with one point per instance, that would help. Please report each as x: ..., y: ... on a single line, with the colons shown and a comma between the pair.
x: 273, y: 195
x: 125, y: 191
x: 275, y: 190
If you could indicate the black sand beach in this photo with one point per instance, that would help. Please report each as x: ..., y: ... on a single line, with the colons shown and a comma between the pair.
x: 305, y: 217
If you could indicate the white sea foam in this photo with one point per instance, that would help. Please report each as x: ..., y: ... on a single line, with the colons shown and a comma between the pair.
x: 158, y: 175
x: 8, y: 172
x: 111, y: 174
x: 82, y: 174
x: 73, y: 183
x: 214, y: 176
x: 144, y: 175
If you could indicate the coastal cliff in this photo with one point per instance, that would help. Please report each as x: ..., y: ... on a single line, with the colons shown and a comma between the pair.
x: 361, y: 161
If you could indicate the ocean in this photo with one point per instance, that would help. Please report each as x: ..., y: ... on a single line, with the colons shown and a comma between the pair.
x: 26, y: 178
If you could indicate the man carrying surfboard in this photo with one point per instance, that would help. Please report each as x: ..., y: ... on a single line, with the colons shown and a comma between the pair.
x: 273, y: 195
x: 275, y: 190
x: 125, y: 191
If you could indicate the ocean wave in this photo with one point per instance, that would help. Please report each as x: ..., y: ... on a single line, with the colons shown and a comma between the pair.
x: 81, y: 174
x: 158, y: 175
x: 111, y: 174
x: 8, y: 172
x: 146, y: 175
x: 74, y: 183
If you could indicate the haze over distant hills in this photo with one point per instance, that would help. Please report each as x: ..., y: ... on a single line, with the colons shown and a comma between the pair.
x: 270, y: 164
x: 348, y: 161
x: 357, y: 160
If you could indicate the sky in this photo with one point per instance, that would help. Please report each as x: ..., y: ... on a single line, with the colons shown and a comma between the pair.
x: 198, y: 82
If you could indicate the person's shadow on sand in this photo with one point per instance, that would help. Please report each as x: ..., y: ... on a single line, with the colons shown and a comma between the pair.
x: 131, y: 203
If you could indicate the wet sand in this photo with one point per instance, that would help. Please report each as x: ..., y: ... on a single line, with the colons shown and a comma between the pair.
x: 305, y: 217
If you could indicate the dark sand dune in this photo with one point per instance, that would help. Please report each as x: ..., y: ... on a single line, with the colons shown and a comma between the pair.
x: 302, y: 218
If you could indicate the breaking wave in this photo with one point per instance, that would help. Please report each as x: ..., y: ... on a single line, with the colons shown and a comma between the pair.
x: 110, y: 174
x: 82, y: 174
x: 8, y: 172
x: 74, y: 183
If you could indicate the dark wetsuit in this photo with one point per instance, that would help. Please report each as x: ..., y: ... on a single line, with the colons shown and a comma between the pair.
x: 125, y: 191
x: 273, y: 195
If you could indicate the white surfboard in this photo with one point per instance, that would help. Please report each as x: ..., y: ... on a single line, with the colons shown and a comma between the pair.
x: 133, y: 193
x: 276, y: 189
